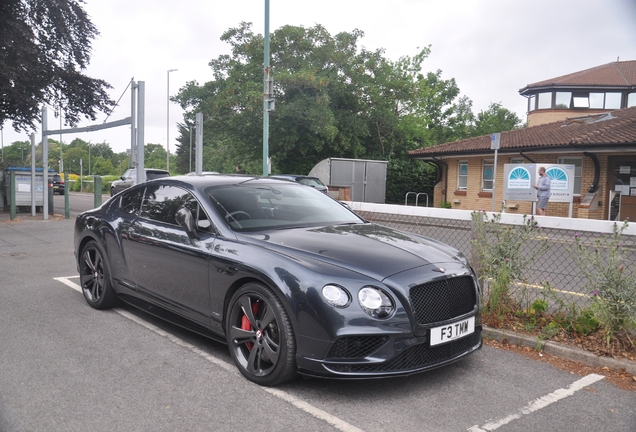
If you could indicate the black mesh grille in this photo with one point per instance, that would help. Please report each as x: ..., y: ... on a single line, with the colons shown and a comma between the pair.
x: 443, y: 300
x: 416, y: 357
x: 356, y: 346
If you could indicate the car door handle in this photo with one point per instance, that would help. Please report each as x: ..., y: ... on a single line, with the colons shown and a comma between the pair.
x: 133, y: 233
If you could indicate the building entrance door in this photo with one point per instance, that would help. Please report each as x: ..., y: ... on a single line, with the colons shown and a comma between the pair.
x: 622, y: 186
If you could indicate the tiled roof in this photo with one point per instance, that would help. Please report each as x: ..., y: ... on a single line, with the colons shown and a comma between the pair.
x: 616, y: 74
x: 611, y: 130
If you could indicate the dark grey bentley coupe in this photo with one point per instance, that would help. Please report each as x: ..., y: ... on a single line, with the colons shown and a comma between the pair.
x: 291, y: 279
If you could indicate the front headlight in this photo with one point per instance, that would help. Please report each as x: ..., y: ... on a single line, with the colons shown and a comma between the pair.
x: 336, y: 296
x: 375, y: 302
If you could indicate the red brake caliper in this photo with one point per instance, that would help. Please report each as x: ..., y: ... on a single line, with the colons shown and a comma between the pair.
x: 245, y: 323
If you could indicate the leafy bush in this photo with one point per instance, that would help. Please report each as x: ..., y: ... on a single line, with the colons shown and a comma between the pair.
x: 502, y: 256
x: 611, y: 282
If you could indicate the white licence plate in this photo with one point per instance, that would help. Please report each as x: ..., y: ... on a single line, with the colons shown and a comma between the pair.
x: 450, y: 332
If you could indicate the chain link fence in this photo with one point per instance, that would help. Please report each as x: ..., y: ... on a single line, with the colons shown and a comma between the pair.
x: 553, y: 275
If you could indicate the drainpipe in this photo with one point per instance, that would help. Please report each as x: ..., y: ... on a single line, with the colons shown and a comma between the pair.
x: 597, y: 171
x: 438, y: 162
x: 526, y: 157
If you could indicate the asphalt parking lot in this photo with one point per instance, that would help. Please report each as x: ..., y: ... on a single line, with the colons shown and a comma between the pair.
x: 67, y: 367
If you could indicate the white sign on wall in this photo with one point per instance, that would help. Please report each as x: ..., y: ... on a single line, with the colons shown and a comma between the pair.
x: 520, y: 179
x: 561, y: 181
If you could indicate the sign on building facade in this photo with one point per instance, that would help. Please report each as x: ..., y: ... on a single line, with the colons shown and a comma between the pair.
x: 519, y: 181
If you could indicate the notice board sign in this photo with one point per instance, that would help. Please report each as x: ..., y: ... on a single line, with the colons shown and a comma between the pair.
x: 520, y: 179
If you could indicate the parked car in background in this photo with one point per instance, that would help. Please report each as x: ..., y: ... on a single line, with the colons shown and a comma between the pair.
x: 58, y: 184
x: 130, y: 178
x: 293, y: 281
x: 314, y: 182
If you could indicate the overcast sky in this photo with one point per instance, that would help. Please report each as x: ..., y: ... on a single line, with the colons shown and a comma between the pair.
x: 491, y: 47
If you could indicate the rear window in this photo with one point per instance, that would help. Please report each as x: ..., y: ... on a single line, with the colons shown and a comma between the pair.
x: 151, y: 175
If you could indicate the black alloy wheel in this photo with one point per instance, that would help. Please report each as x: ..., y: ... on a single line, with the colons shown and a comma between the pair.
x: 95, y: 277
x: 260, y: 336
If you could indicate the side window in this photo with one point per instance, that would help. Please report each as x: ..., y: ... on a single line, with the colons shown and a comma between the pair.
x: 131, y: 201
x: 161, y: 203
x: 487, y: 174
x: 462, y: 175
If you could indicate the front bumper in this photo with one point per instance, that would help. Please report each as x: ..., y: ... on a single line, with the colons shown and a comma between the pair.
x: 385, y: 355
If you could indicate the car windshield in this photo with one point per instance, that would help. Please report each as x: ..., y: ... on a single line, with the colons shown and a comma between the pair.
x: 261, y: 207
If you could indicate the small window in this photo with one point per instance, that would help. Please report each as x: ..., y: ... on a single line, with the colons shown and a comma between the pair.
x: 487, y: 175
x: 578, y: 171
x: 532, y: 103
x: 597, y: 100
x: 563, y: 100
x: 631, y: 100
x: 545, y: 100
x: 517, y: 160
x: 612, y: 100
x: 581, y: 100
x: 462, y: 175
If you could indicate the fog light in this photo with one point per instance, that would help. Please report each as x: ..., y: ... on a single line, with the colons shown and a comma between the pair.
x: 336, y: 296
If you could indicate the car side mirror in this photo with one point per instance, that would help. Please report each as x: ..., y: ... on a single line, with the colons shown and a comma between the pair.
x: 186, y: 221
x: 122, y: 177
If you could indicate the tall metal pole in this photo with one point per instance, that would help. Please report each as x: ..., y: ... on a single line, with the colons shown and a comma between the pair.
x: 198, y: 128
x: 168, y: 120
x: 33, y: 174
x: 141, y: 121
x: 266, y: 93
x: 61, y: 153
x: 190, y: 127
x: 45, y: 164
x: 133, y: 126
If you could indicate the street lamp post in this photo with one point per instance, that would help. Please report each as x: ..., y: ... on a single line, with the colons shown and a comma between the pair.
x: 168, y: 119
x: 190, y: 127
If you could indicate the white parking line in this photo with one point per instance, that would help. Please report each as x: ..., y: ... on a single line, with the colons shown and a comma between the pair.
x: 542, y: 402
x: 298, y: 403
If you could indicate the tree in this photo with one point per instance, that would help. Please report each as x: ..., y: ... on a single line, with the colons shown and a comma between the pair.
x: 46, y: 45
x: 154, y: 156
x: 495, y: 119
x: 333, y: 99
x: 17, y: 154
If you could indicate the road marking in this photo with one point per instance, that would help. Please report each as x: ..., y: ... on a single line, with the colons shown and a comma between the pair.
x: 229, y: 367
x: 540, y: 403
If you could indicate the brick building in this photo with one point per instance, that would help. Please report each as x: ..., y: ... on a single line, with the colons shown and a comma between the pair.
x: 586, y: 119
x: 602, y: 147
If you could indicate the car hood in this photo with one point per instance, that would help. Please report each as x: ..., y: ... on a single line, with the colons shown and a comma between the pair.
x: 368, y: 249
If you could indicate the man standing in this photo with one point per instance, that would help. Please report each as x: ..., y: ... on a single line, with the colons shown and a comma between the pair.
x: 543, y: 188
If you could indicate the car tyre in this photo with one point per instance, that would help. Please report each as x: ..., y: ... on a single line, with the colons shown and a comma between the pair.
x: 112, y: 191
x: 260, y: 336
x: 95, y: 277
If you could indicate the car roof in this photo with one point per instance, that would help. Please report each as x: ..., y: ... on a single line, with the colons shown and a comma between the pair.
x: 292, y: 176
x: 204, y: 181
